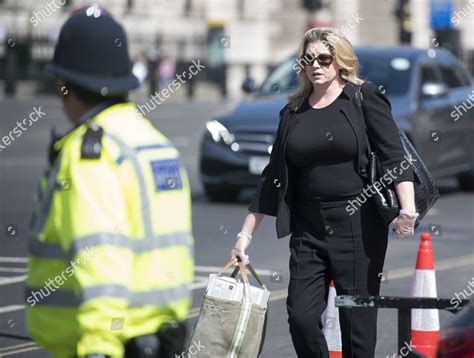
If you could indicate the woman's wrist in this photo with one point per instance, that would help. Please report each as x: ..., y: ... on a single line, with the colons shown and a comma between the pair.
x: 410, y: 208
x: 410, y: 213
x: 244, y: 234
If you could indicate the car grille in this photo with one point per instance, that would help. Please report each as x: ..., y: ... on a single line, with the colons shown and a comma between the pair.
x: 252, y: 143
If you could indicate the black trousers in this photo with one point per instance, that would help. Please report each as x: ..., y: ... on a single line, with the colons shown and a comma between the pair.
x: 329, y: 244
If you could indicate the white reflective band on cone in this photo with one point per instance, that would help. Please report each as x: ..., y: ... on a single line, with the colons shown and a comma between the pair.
x: 424, y: 285
x: 331, y: 326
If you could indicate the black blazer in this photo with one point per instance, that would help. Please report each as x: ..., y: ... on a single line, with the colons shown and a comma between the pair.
x: 274, y: 194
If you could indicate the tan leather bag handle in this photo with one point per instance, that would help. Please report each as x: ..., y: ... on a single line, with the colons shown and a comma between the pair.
x: 241, y: 268
x: 253, y: 272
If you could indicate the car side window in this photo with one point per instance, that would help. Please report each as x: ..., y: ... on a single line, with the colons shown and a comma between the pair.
x: 454, y: 75
x: 464, y: 75
x: 429, y: 74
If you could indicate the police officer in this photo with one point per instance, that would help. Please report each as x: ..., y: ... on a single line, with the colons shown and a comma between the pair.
x: 111, y: 240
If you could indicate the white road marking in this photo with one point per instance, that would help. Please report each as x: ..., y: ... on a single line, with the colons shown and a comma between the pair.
x: 13, y: 259
x: 11, y: 280
x: 201, y: 278
x: 11, y: 308
x: 31, y: 348
x: 440, y: 265
x: 13, y: 269
x: 22, y: 345
x: 181, y: 141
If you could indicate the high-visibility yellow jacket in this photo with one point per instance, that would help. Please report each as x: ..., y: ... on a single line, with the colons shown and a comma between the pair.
x: 111, y: 246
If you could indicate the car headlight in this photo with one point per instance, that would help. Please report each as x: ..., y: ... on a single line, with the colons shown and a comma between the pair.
x: 219, y: 132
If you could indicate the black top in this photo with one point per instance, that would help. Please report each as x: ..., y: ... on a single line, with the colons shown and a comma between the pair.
x: 276, y: 200
x: 322, y: 148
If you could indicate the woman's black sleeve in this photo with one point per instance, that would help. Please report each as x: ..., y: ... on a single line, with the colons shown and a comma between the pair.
x: 385, y: 134
x: 265, y: 199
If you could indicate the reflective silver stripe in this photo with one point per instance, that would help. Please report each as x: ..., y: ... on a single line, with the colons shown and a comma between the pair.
x: 109, y: 290
x: 160, y: 297
x: 67, y: 298
x: 145, y: 207
x: 121, y: 158
x: 161, y: 241
x: 54, y: 250
x: 137, y: 246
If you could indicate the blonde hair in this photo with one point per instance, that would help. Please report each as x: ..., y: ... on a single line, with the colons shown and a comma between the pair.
x: 344, y: 56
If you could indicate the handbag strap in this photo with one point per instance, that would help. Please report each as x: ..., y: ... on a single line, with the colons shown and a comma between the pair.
x: 360, y: 102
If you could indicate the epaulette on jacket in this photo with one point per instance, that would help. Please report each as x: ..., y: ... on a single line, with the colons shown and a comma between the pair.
x: 91, y: 147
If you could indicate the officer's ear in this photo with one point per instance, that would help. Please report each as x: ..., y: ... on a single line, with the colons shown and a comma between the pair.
x: 68, y: 98
x: 62, y: 89
x: 67, y: 93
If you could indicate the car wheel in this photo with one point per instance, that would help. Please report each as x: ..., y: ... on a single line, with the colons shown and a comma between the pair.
x: 466, y: 181
x: 221, y: 193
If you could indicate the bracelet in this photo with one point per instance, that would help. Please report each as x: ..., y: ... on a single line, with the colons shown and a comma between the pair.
x: 244, y: 234
x: 410, y: 215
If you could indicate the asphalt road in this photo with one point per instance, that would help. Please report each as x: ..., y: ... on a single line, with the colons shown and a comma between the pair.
x: 215, y: 227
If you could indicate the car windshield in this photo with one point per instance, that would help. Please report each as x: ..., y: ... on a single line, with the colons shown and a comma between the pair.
x: 281, y: 79
x: 391, y: 72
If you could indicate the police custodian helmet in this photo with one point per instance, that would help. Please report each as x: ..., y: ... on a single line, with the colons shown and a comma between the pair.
x: 92, y: 53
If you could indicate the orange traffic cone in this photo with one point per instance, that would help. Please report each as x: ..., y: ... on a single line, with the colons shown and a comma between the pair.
x: 424, y: 322
x: 331, y: 327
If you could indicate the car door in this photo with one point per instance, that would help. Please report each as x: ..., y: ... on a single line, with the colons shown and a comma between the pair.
x: 460, y: 127
x: 429, y: 120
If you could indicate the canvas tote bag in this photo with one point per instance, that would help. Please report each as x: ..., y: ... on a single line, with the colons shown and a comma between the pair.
x: 232, y: 320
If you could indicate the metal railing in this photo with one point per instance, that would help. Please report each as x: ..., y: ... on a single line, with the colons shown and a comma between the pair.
x: 404, y: 305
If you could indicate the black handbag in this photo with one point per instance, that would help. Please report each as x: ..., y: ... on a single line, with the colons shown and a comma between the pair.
x: 426, y: 191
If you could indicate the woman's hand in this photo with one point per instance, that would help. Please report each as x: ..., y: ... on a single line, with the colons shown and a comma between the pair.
x: 244, y: 237
x: 243, y: 242
x: 404, y: 224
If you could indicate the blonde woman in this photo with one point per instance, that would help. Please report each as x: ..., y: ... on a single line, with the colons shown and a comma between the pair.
x: 318, y: 165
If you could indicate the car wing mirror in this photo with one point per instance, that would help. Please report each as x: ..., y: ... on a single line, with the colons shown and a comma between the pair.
x: 248, y: 85
x: 433, y: 90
